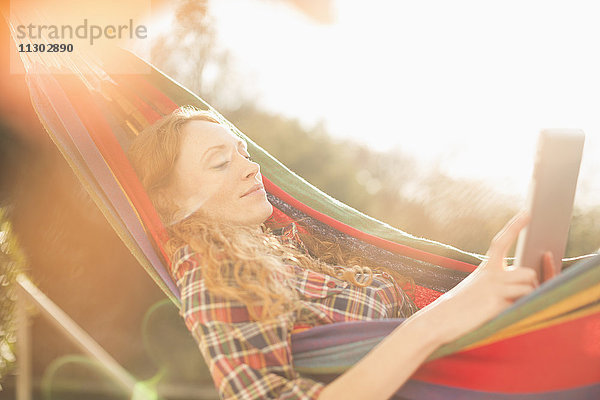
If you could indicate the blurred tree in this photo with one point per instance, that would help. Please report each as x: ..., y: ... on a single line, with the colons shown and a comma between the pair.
x: 187, y: 47
x: 188, y: 54
x: 11, y: 263
x: 391, y: 186
x: 584, y: 236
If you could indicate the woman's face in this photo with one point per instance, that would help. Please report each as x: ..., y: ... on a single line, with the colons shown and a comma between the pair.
x: 214, y: 174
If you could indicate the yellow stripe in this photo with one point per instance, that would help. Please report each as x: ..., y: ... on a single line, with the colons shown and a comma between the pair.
x: 553, y: 315
x: 563, y: 318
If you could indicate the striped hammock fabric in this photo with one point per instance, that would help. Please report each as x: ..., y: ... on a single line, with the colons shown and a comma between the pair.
x: 547, y: 345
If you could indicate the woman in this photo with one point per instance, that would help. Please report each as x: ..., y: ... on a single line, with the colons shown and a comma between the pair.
x: 244, y: 289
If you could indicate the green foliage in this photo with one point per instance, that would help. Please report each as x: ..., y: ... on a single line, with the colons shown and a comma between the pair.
x: 584, y: 235
x: 392, y: 187
x: 11, y: 261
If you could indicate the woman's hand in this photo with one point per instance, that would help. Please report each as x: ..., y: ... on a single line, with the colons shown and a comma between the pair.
x: 488, y: 290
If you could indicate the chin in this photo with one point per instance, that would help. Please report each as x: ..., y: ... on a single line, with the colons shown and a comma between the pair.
x: 268, y: 210
x: 258, y: 213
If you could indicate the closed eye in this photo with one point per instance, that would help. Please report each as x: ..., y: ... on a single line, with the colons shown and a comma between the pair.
x: 221, y: 166
x: 246, y: 156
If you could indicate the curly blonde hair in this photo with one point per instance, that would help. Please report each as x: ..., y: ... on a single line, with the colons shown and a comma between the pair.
x: 258, y: 261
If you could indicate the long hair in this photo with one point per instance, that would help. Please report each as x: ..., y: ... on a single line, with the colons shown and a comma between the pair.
x: 259, y: 263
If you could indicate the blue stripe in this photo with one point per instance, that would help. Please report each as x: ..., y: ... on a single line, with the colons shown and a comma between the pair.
x: 72, y: 125
x: 417, y: 390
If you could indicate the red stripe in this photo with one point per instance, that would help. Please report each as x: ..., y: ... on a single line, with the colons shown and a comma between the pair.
x: 560, y: 357
x: 151, y: 95
x: 424, y: 296
x: 102, y: 134
x: 374, y: 240
x: 147, y: 111
x: 278, y: 217
x: 162, y: 101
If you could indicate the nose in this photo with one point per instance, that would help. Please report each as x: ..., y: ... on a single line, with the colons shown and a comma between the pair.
x: 252, y: 169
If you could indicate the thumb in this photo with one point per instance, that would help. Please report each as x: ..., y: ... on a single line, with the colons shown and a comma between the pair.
x: 507, y: 235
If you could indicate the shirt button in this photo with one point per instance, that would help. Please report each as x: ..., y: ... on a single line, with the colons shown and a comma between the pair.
x: 331, y: 284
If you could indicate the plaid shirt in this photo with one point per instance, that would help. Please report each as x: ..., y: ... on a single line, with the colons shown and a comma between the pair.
x: 253, y: 360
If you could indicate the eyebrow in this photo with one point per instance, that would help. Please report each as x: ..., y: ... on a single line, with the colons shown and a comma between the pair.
x: 222, y: 146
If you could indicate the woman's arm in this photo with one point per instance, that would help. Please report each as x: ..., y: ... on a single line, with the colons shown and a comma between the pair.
x: 490, y: 289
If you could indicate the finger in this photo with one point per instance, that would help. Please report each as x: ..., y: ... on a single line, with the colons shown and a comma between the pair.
x: 514, y: 292
x: 548, y: 266
x: 519, y: 275
x: 508, y: 234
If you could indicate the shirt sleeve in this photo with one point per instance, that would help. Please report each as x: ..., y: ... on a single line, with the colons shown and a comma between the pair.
x: 247, y: 359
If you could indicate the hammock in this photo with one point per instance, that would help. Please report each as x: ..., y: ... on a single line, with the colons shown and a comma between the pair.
x: 547, y: 345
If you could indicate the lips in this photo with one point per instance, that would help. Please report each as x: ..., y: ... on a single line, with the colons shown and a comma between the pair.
x: 253, y: 189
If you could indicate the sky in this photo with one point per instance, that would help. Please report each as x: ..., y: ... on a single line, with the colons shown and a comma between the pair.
x: 464, y: 85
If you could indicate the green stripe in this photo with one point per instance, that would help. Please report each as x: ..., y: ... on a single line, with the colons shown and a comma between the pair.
x: 580, y: 276
x: 337, y: 359
x: 574, y: 279
x: 308, y: 194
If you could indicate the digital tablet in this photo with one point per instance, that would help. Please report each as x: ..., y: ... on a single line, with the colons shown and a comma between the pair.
x: 550, y: 198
